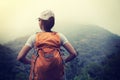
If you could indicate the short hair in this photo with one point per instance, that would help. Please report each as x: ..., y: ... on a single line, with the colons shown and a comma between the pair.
x: 48, y: 24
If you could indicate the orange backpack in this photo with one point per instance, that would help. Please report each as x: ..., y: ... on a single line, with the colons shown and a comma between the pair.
x: 48, y: 64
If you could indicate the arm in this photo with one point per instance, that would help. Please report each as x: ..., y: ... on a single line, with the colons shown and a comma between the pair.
x: 71, y: 50
x: 22, y: 55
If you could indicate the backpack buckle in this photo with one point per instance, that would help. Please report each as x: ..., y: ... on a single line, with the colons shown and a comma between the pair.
x: 48, y: 55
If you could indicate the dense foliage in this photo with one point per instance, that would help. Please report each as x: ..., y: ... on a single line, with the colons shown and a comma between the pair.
x: 6, y: 63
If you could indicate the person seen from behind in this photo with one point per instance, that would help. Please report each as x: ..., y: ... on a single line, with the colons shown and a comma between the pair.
x: 47, y: 64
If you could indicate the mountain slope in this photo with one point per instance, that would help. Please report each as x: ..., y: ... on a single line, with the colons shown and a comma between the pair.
x: 98, y: 53
x: 7, y: 61
x: 97, y: 49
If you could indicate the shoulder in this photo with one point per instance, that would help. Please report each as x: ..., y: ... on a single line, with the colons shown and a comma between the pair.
x: 33, y: 36
x: 60, y: 34
x: 31, y: 40
x: 63, y: 38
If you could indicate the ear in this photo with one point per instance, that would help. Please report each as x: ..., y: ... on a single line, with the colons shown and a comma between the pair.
x: 42, y: 26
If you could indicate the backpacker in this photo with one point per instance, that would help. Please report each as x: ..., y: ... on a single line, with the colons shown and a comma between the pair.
x: 47, y: 65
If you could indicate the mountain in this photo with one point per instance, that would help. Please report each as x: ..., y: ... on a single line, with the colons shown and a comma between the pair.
x: 7, y: 60
x: 98, y: 54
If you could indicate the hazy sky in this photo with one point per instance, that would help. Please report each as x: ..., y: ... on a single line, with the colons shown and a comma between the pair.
x: 19, y: 17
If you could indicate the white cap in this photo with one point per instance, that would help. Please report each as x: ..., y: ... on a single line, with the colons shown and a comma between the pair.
x: 45, y: 15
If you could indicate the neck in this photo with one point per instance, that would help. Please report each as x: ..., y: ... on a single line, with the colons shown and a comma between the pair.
x: 46, y: 30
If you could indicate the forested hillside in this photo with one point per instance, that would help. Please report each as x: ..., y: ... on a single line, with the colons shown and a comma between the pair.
x: 6, y: 63
x: 98, y: 55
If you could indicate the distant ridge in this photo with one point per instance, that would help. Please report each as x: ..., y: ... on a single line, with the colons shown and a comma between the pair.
x: 98, y: 53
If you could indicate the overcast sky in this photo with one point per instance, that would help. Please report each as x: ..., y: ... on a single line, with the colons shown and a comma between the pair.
x: 19, y: 17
